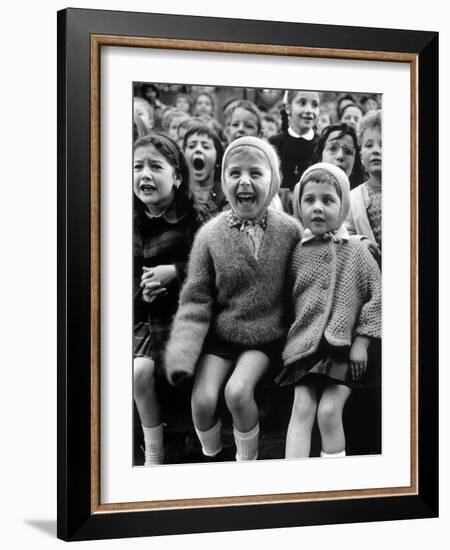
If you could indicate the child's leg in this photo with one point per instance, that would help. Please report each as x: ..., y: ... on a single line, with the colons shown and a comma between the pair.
x: 240, y: 399
x: 240, y: 389
x: 298, y: 439
x: 329, y: 418
x: 212, y: 373
x: 149, y: 409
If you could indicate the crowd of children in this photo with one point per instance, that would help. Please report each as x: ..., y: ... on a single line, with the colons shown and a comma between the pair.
x: 257, y: 249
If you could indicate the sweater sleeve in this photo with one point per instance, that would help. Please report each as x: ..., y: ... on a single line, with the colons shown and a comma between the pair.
x: 193, y: 317
x: 369, y: 322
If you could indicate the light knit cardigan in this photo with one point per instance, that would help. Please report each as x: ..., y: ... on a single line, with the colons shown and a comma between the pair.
x: 241, y: 298
x: 357, y: 222
x: 336, y: 293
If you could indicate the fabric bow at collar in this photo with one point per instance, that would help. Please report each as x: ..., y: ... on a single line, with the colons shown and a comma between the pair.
x: 235, y: 221
x: 337, y: 236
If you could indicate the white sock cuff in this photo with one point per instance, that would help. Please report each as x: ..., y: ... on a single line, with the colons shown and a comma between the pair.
x: 153, y: 433
x: 154, y: 444
x: 339, y: 454
x: 246, y: 435
x: 211, y: 439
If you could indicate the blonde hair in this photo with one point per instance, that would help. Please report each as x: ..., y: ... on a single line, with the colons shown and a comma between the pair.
x: 371, y: 120
x: 141, y: 102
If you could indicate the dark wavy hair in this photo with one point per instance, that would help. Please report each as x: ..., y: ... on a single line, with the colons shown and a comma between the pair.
x: 172, y: 153
x: 204, y: 130
x: 357, y: 175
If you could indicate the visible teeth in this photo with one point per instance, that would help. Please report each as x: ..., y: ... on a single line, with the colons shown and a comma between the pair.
x: 246, y: 198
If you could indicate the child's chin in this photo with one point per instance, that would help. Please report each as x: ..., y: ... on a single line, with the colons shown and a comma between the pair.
x: 246, y: 213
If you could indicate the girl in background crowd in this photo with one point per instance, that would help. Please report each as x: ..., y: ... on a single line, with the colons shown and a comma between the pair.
x: 150, y: 93
x: 269, y: 126
x: 183, y: 102
x: 366, y: 199
x: 203, y: 152
x: 342, y: 102
x: 295, y: 146
x: 352, y: 115
x: 171, y: 121
x: 338, y: 145
x: 204, y: 104
x: 243, y: 119
x: 369, y: 103
x: 143, y: 114
x: 323, y: 121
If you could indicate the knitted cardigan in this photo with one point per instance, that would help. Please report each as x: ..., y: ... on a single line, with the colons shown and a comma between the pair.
x: 336, y: 294
x: 240, y: 298
x: 357, y: 222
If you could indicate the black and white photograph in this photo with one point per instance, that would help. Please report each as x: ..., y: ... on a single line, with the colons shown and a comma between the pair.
x: 240, y: 346
x: 257, y: 257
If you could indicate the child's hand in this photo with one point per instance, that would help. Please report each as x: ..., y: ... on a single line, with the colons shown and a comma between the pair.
x: 358, y: 357
x: 164, y: 274
x: 151, y: 290
x: 373, y: 249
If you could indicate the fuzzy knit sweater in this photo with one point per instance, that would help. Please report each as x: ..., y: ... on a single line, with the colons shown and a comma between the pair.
x: 336, y: 294
x: 240, y: 298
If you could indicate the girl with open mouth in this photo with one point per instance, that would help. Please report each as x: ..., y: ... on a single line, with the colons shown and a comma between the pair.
x: 203, y: 152
x: 230, y: 323
x: 165, y: 220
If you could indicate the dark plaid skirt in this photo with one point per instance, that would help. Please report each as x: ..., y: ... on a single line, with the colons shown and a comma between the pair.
x: 331, y: 364
x: 149, y: 340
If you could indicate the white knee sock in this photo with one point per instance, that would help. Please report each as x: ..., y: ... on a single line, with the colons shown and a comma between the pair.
x: 154, y: 445
x: 211, y: 439
x: 246, y: 444
x: 323, y: 454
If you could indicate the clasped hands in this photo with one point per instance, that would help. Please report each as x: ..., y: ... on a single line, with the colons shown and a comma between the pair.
x: 155, y: 280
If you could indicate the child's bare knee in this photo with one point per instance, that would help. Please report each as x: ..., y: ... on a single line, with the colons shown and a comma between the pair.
x: 303, y: 409
x: 237, y: 395
x: 328, y: 415
x: 203, y: 402
x: 143, y: 375
x: 305, y: 403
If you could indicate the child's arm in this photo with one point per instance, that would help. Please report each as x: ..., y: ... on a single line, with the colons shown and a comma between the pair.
x: 193, y: 317
x: 369, y: 321
x: 358, y: 356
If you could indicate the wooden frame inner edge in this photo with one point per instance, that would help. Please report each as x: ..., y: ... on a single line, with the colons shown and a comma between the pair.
x: 102, y: 40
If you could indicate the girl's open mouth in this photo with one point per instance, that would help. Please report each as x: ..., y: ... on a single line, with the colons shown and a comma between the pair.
x: 246, y: 198
x: 146, y: 188
x: 198, y: 163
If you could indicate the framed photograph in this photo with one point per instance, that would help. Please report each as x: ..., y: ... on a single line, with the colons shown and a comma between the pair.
x: 143, y: 97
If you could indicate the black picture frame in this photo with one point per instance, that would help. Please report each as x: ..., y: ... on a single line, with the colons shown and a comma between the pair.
x: 79, y: 517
